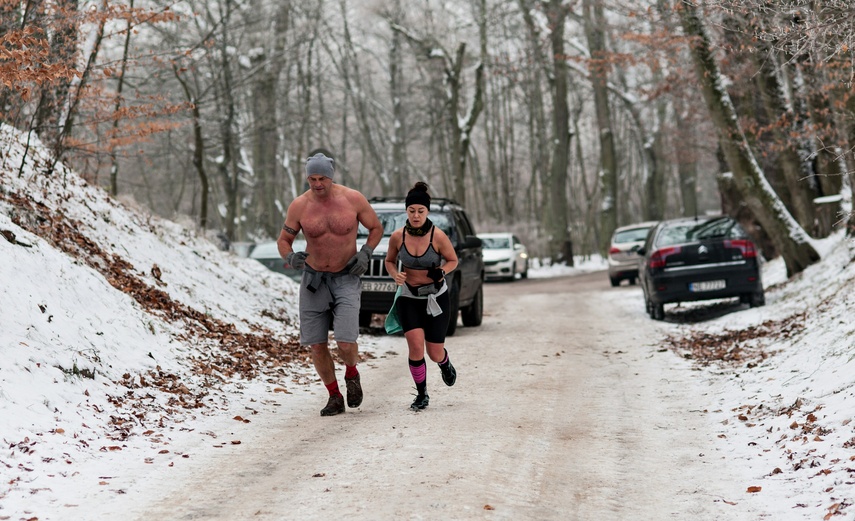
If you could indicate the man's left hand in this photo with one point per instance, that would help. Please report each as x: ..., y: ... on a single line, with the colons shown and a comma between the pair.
x: 360, y: 261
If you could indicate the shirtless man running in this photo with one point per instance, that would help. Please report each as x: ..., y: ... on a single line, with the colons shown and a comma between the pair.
x: 330, y: 290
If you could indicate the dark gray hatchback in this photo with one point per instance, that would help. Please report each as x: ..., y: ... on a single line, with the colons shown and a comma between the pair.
x: 695, y: 259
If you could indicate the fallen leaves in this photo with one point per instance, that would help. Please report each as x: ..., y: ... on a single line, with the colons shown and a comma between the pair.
x: 754, y: 489
x: 233, y: 353
x: 836, y: 510
x: 735, y: 347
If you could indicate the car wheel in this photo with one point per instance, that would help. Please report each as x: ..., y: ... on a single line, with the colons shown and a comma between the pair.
x: 615, y: 281
x: 473, y: 313
x: 524, y: 274
x: 757, y: 299
x: 656, y: 311
x: 365, y: 318
x: 453, y: 308
x: 632, y: 281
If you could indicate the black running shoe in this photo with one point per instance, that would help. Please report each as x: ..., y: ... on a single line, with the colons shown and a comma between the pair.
x: 354, y: 391
x: 420, y: 402
x: 335, y: 405
x: 449, y: 374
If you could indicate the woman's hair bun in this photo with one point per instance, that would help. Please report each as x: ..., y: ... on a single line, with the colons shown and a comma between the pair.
x: 420, y: 186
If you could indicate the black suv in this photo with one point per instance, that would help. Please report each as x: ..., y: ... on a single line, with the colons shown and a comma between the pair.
x: 465, y: 283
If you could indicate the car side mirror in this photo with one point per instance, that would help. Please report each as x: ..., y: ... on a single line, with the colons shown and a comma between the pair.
x: 635, y: 249
x: 641, y: 251
x: 472, y: 241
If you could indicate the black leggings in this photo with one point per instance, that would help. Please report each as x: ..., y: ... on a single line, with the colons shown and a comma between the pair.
x: 412, y: 314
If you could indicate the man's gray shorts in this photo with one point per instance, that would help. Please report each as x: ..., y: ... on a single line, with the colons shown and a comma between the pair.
x: 336, y: 299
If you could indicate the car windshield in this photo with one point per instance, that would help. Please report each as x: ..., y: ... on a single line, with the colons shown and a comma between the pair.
x: 722, y: 227
x: 633, y: 235
x: 394, y: 219
x: 496, y: 243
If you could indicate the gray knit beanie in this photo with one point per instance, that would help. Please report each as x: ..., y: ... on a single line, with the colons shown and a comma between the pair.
x: 319, y: 164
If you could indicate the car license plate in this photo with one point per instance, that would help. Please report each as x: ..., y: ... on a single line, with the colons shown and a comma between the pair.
x: 368, y: 285
x: 708, y: 285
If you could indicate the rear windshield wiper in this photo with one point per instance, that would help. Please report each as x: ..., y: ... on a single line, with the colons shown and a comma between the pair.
x: 698, y: 230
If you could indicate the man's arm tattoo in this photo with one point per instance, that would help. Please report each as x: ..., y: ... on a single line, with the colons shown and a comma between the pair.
x: 288, y: 229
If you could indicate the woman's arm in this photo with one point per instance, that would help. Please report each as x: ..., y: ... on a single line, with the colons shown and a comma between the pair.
x: 446, y: 249
x: 391, y: 260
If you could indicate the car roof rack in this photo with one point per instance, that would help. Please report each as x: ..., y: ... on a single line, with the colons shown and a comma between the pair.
x: 440, y: 201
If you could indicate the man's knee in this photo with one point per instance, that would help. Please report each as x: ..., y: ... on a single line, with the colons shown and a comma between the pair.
x: 319, y: 348
x: 347, y: 346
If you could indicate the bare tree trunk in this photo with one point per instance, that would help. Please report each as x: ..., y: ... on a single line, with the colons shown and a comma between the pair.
x: 63, y: 33
x: 66, y: 121
x: 114, y: 162
x: 687, y: 169
x: 400, y: 172
x: 198, y: 149
x: 494, y: 193
x: 850, y: 156
x: 786, y: 234
x: 267, y: 62
x: 461, y: 129
x: 558, y: 229
x: 657, y: 176
x: 537, y: 133
x: 797, y: 172
x: 227, y: 169
x: 599, y: 66
x: 372, y: 149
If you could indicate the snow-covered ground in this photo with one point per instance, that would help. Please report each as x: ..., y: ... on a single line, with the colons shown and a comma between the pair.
x: 128, y: 341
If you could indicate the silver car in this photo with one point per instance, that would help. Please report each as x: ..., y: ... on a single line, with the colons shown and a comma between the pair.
x: 623, y: 251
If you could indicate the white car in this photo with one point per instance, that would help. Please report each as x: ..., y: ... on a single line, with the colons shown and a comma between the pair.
x: 504, y: 256
x: 267, y: 253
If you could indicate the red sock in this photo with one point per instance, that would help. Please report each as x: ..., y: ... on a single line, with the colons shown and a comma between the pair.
x: 350, y: 371
x: 333, y: 388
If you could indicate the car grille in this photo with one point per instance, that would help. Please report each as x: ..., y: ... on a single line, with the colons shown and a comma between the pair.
x: 377, y: 269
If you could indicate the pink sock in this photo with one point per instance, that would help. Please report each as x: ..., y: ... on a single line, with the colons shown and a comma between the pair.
x: 419, y: 370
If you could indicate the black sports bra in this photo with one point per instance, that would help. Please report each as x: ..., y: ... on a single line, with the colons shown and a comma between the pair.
x: 429, y: 259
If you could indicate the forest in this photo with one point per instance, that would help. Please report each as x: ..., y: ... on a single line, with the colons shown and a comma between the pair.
x: 558, y: 120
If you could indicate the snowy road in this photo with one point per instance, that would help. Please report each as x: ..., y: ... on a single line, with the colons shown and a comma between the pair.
x: 564, y: 408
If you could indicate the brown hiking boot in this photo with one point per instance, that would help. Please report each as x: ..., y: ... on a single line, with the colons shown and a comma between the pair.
x: 354, y: 391
x: 335, y: 405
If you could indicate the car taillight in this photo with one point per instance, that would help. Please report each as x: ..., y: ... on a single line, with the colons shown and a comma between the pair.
x: 614, y: 250
x: 744, y: 246
x: 659, y: 257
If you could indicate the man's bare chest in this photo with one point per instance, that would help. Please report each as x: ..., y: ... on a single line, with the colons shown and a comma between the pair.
x: 339, y: 222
